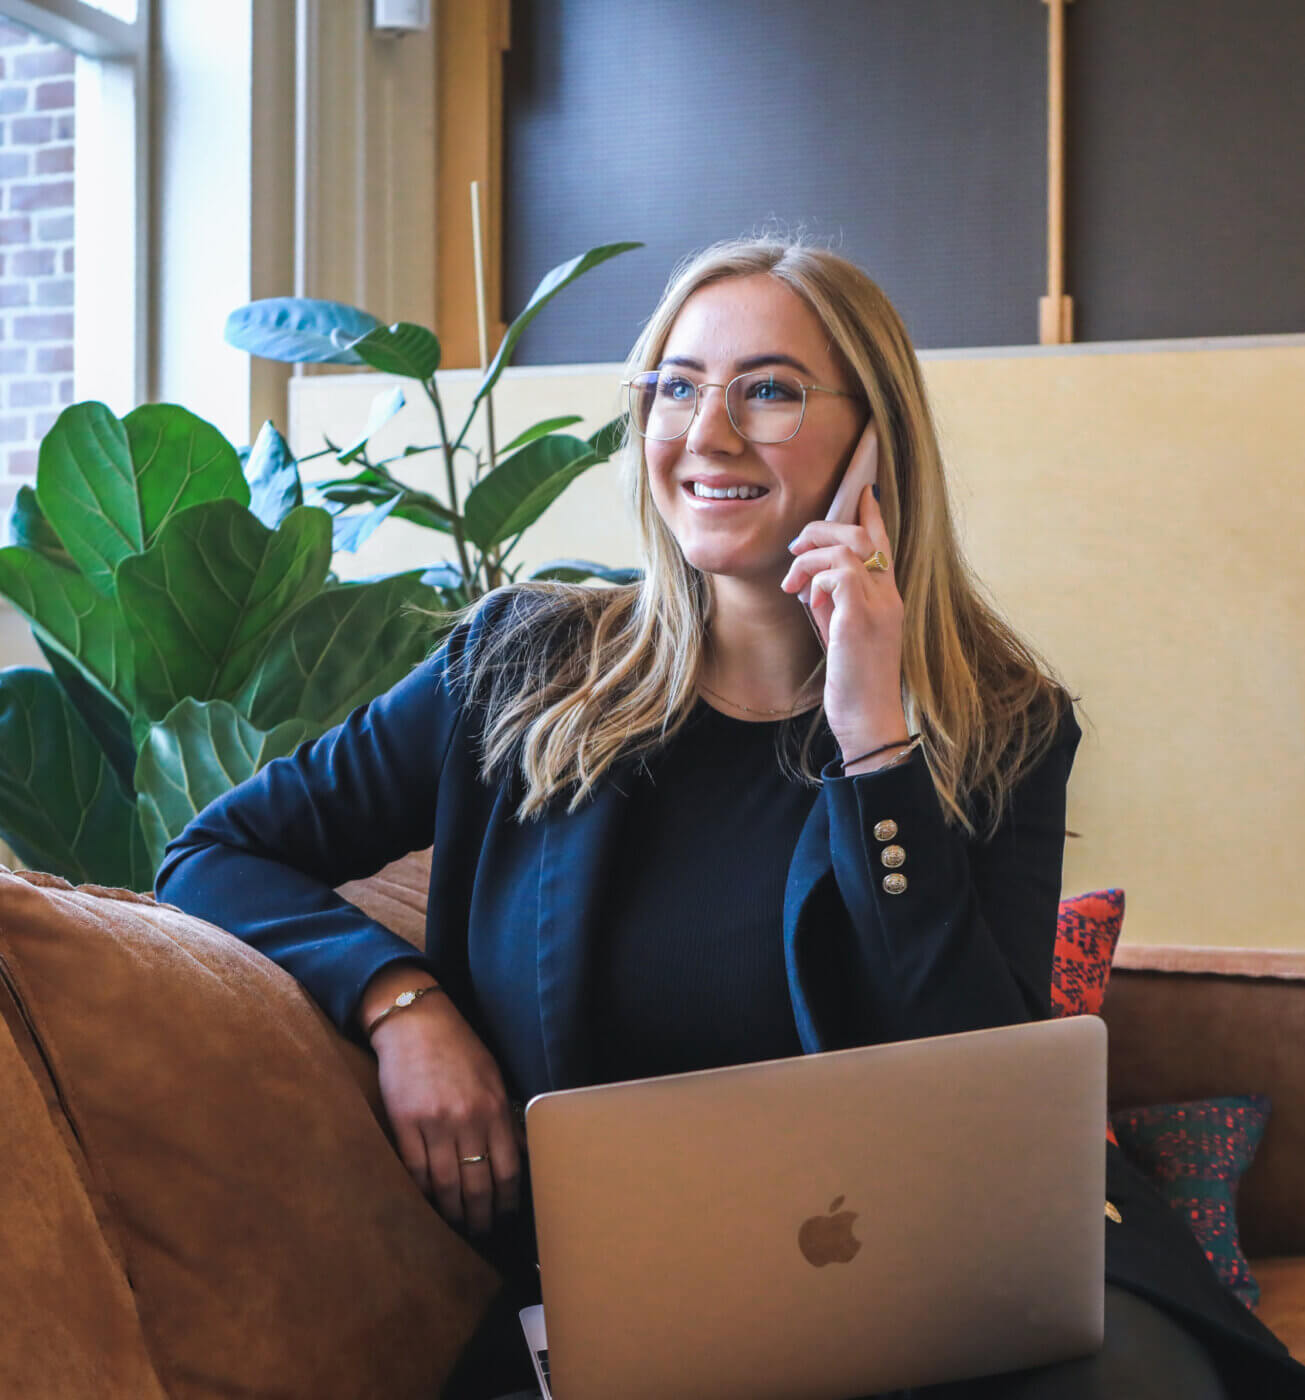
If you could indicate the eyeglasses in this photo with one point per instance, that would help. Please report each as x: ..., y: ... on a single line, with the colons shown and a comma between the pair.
x: 764, y: 407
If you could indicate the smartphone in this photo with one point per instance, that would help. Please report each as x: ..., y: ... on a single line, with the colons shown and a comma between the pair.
x: 862, y: 471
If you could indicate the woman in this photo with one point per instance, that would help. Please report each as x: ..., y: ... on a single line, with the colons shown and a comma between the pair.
x: 882, y: 780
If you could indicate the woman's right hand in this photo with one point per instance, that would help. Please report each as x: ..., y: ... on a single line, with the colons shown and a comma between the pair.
x: 446, y: 1100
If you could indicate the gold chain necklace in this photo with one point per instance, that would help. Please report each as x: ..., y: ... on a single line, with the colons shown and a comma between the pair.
x: 788, y: 710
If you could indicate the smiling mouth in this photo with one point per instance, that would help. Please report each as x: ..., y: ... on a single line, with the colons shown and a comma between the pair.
x: 724, y: 493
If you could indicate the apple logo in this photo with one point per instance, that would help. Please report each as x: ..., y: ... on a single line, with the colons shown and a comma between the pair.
x: 828, y: 1239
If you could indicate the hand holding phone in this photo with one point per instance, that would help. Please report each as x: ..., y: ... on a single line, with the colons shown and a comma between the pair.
x: 862, y: 471
x: 862, y: 613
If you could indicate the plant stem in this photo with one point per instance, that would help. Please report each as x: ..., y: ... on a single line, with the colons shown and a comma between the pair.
x: 459, y: 538
x: 501, y: 557
x: 408, y: 452
x: 493, y: 559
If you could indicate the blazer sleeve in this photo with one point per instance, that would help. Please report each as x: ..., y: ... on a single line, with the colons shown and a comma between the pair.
x: 263, y: 860
x: 968, y: 942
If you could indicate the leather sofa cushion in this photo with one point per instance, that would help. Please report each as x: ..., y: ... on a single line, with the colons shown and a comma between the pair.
x: 69, y: 1316
x: 203, y: 1116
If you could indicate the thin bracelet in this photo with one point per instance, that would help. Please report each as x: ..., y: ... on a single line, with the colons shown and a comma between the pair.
x: 401, y: 1002
x: 883, y: 748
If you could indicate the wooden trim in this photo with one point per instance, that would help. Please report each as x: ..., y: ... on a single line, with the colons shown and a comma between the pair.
x: 1284, y: 964
x: 1055, y: 310
x: 471, y: 39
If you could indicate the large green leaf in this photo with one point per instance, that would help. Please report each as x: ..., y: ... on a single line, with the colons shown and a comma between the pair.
x: 108, y: 488
x: 180, y: 460
x: 66, y: 610
x: 62, y: 807
x: 86, y: 489
x: 299, y: 330
x: 198, y: 751
x: 402, y: 348
x: 549, y: 425
x: 553, y: 282
x: 106, y: 720
x: 523, y: 486
x: 273, y: 476
x: 340, y: 650
x: 203, y: 601
x: 29, y: 528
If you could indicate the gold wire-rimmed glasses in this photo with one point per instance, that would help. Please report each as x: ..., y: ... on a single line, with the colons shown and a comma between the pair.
x: 764, y: 407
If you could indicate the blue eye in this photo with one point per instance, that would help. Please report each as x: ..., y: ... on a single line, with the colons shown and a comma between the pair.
x: 677, y: 388
x: 771, y: 390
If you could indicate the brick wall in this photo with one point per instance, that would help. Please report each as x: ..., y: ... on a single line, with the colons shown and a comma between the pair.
x: 36, y: 246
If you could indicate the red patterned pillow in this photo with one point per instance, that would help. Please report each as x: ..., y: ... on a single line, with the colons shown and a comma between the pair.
x: 1086, y: 934
x: 1195, y: 1153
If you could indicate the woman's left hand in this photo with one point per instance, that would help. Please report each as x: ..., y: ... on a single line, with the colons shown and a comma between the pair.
x: 859, y: 614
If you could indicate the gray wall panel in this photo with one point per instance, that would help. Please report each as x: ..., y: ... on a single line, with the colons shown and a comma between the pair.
x: 910, y: 135
x: 1187, y: 167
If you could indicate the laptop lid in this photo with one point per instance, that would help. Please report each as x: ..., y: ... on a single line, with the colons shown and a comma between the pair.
x: 823, y: 1227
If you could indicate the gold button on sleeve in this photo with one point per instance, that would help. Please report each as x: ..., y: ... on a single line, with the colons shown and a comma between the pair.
x: 885, y: 830
x: 894, y: 884
x: 893, y: 856
x: 1112, y: 1211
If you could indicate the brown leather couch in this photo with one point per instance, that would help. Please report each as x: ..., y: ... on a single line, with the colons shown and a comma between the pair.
x: 1189, y: 1023
x: 154, y: 1235
x: 1184, y: 1023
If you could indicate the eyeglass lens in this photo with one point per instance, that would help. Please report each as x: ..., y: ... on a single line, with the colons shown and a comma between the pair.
x: 763, y: 407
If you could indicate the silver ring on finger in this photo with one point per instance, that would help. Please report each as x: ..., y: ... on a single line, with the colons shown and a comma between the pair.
x: 877, y: 562
x: 480, y: 1157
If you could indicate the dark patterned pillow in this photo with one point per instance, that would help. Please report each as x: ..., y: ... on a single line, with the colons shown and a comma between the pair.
x: 1195, y: 1154
x: 1086, y: 934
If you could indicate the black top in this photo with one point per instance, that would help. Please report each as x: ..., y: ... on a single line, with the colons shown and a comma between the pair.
x: 689, y: 970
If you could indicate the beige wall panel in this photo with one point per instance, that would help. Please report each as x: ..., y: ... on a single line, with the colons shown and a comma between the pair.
x: 1138, y: 516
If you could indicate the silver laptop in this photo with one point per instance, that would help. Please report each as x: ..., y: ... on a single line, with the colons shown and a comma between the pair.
x: 827, y: 1226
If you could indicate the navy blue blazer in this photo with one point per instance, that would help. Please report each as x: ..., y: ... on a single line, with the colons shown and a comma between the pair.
x: 514, y: 908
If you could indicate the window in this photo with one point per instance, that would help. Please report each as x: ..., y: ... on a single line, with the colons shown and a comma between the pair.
x: 72, y: 226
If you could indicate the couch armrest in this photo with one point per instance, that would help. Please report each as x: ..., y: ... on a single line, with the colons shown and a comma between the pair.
x: 1189, y: 1023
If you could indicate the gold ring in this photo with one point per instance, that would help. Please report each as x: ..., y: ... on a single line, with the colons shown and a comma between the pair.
x: 483, y: 1157
x: 877, y: 562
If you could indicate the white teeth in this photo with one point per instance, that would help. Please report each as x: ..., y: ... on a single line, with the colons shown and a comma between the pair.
x: 728, y: 493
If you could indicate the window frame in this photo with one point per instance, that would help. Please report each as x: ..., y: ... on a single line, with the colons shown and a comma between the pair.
x: 114, y: 72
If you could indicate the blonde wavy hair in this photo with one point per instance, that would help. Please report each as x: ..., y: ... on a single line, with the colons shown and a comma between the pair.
x: 574, y: 677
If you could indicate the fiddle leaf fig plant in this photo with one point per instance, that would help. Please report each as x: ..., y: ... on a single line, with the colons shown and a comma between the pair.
x: 510, y: 488
x: 181, y: 591
x: 191, y: 638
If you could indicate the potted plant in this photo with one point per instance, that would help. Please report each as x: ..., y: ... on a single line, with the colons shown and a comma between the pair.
x: 178, y: 588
